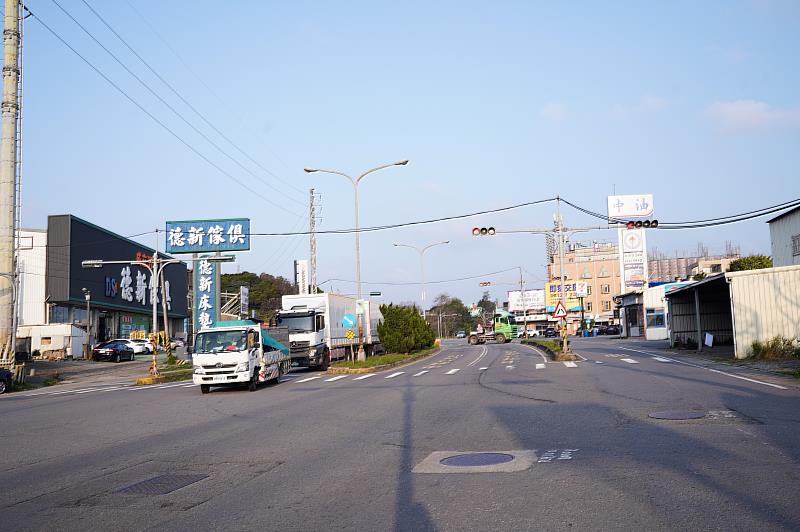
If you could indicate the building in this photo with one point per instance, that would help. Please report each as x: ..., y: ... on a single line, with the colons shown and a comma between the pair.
x: 596, y: 264
x: 667, y: 270
x: 736, y: 309
x: 55, y: 289
x: 710, y: 265
x: 784, y: 234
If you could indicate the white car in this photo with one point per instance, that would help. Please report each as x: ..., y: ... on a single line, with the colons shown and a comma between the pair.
x: 148, y: 345
x: 137, y: 346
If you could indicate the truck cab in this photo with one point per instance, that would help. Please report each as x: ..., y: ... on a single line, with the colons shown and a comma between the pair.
x: 308, y: 338
x: 239, y: 352
x: 503, y: 329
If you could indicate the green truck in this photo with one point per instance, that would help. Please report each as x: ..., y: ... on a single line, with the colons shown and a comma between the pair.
x: 503, y: 329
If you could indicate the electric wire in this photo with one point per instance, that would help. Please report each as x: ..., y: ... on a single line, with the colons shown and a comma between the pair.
x: 189, y: 105
x: 391, y: 283
x: 152, y: 116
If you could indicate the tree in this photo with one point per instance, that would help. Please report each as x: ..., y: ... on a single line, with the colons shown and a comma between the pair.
x: 487, y: 304
x: 699, y: 276
x: 403, y: 330
x: 265, y: 290
x: 753, y: 262
x: 455, y: 311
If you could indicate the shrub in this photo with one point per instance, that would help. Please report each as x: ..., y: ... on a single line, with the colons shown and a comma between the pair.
x: 774, y: 348
x: 403, y: 330
x: 753, y: 262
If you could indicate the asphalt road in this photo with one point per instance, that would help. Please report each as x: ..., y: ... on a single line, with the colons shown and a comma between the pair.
x: 579, y: 450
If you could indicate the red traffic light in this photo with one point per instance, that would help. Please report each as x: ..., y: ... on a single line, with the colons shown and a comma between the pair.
x: 476, y: 231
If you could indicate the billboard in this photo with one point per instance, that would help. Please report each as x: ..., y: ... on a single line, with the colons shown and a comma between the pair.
x: 633, y: 206
x: 208, y: 236
x: 527, y: 300
x: 553, y: 295
x: 244, y: 301
x: 206, y: 294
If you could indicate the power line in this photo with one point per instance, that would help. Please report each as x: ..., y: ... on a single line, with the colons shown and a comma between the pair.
x: 416, y: 283
x: 152, y: 116
x: 189, y: 105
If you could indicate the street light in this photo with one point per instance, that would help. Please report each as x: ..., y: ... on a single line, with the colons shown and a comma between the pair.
x: 355, y: 182
x: 156, y: 269
x: 87, y: 294
x: 421, y: 252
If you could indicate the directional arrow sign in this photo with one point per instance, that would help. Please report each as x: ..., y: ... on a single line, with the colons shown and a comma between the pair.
x: 560, y: 311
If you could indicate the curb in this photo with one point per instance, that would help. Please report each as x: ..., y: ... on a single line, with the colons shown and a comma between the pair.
x: 554, y: 356
x: 165, y: 377
x: 348, y: 371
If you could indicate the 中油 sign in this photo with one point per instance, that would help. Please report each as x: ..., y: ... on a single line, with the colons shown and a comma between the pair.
x: 204, y: 236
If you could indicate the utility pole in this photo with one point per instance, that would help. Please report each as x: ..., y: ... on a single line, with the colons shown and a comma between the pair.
x: 560, y: 228
x: 522, y: 299
x: 312, y: 240
x: 8, y: 172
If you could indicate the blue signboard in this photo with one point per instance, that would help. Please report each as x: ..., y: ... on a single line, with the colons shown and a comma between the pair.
x: 205, y: 294
x: 348, y: 321
x: 204, y: 236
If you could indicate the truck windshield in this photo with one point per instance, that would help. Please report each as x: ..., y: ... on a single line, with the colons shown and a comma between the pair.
x: 220, y: 341
x: 297, y: 323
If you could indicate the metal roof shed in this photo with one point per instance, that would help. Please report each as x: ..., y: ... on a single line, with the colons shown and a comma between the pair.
x: 737, y: 308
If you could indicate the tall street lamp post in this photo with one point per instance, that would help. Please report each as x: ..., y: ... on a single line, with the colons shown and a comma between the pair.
x: 421, y: 252
x: 355, y: 182
x: 156, y: 269
x: 87, y: 294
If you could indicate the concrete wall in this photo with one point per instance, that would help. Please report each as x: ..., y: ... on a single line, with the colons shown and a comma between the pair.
x: 61, y: 339
x: 781, y: 232
x: 766, y: 303
x: 32, y: 268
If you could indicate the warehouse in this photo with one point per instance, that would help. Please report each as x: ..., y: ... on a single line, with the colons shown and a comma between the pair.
x: 735, y: 309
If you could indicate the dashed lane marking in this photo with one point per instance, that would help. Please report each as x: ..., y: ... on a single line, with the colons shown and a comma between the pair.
x: 629, y: 360
x: 453, y: 371
x: 661, y: 359
x: 307, y: 379
x: 336, y: 378
x: 571, y: 364
x: 423, y: 372
x: 483, y: 369
x: 540, y: 366
x: 510, y: 367
x: 393, y: 375
x: 367, y: 376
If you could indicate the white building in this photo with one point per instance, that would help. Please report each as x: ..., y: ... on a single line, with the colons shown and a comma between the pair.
x: 784, y: 233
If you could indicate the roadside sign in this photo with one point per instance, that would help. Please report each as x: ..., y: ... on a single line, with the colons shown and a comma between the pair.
x: 208, y: 236
x: 348, y: 320
x: 560, y: 311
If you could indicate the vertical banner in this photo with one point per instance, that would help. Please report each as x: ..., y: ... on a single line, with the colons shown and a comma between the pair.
x: 633, y: 274
x: 301, y: 275
x: 206, y: 294
x: 244, y: 301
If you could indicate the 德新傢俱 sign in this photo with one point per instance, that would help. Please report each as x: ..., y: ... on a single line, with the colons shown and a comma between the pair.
x: 205, y: 236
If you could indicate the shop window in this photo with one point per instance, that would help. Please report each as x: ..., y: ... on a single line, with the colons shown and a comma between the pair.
x: 79, y: 315
x: 59, y: 314
x: 796, y: 245
x: 716, y: 268
x: 605, y: 289
x: 588, y: 306
x: 655, y: 317
x: 606, y: 305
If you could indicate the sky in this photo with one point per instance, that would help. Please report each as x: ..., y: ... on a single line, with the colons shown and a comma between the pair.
x: 493, y: 103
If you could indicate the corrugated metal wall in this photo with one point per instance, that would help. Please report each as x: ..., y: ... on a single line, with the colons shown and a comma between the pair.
x: 58, y: 254
x: 766, y: 303
x: 715, y: 314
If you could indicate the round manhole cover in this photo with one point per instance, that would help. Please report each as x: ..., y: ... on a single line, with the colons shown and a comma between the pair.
x: 677, y: 414
x: 477, y: 459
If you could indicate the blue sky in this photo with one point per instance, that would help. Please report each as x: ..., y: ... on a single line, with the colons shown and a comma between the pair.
x: 494, y: 103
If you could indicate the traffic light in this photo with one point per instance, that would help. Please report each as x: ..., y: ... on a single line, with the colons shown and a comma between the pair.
x: 486, y: 283
x: 642, y: 224
x: 483, y: 231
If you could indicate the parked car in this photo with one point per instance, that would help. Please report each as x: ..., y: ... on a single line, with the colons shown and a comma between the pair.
x: 461, y: 334
x: 176, y: 343
x: 613, y: 329
x: 148, y: 345
x: 550, y: 333
x: 137, y: 346
x: 115, y: 350
x: 6, y: 379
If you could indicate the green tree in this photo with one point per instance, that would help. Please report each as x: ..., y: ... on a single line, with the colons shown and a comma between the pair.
x: 456, y: 314
x: 753, y: 262
x: 265, y: 290
x: 403, y: 330
x: 699, y: 276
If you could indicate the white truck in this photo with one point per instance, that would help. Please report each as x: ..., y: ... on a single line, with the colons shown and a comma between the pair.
x: 239, y: 352
x: 324, y: 328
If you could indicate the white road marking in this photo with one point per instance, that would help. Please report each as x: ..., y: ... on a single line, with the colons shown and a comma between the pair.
x: 188, y: 385
x: 336, y: 378
x: 629, y: 360
x: 483, y: 354
x: 509, y: 367
x: 483, y: 369
x: 571, y: 364
x: 307, y: 379
x: 367, y: 376
x: 423, y: 372
x: 453, y: 371
x: 598, y: 362
x: 712, y: 370
x: 540, y: 366
x: 393, y: 375
x: 536, y: 351
x: 661, y: 359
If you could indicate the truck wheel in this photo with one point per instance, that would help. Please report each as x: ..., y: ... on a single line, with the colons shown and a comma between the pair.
x: 205, y: 388
x: 326, y: 361
x: 500, y: 339
x: 473, y: 340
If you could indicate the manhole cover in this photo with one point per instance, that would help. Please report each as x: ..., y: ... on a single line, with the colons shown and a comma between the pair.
x: 476, y: 459
x: 161, y: 484
x: 677, y: 414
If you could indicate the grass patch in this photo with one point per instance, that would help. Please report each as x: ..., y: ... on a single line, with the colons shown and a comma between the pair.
x: 52, y: 381
x: 775, y: 348
x: 380, y: 360
x: 552, y: 345
x: 21, y: 387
